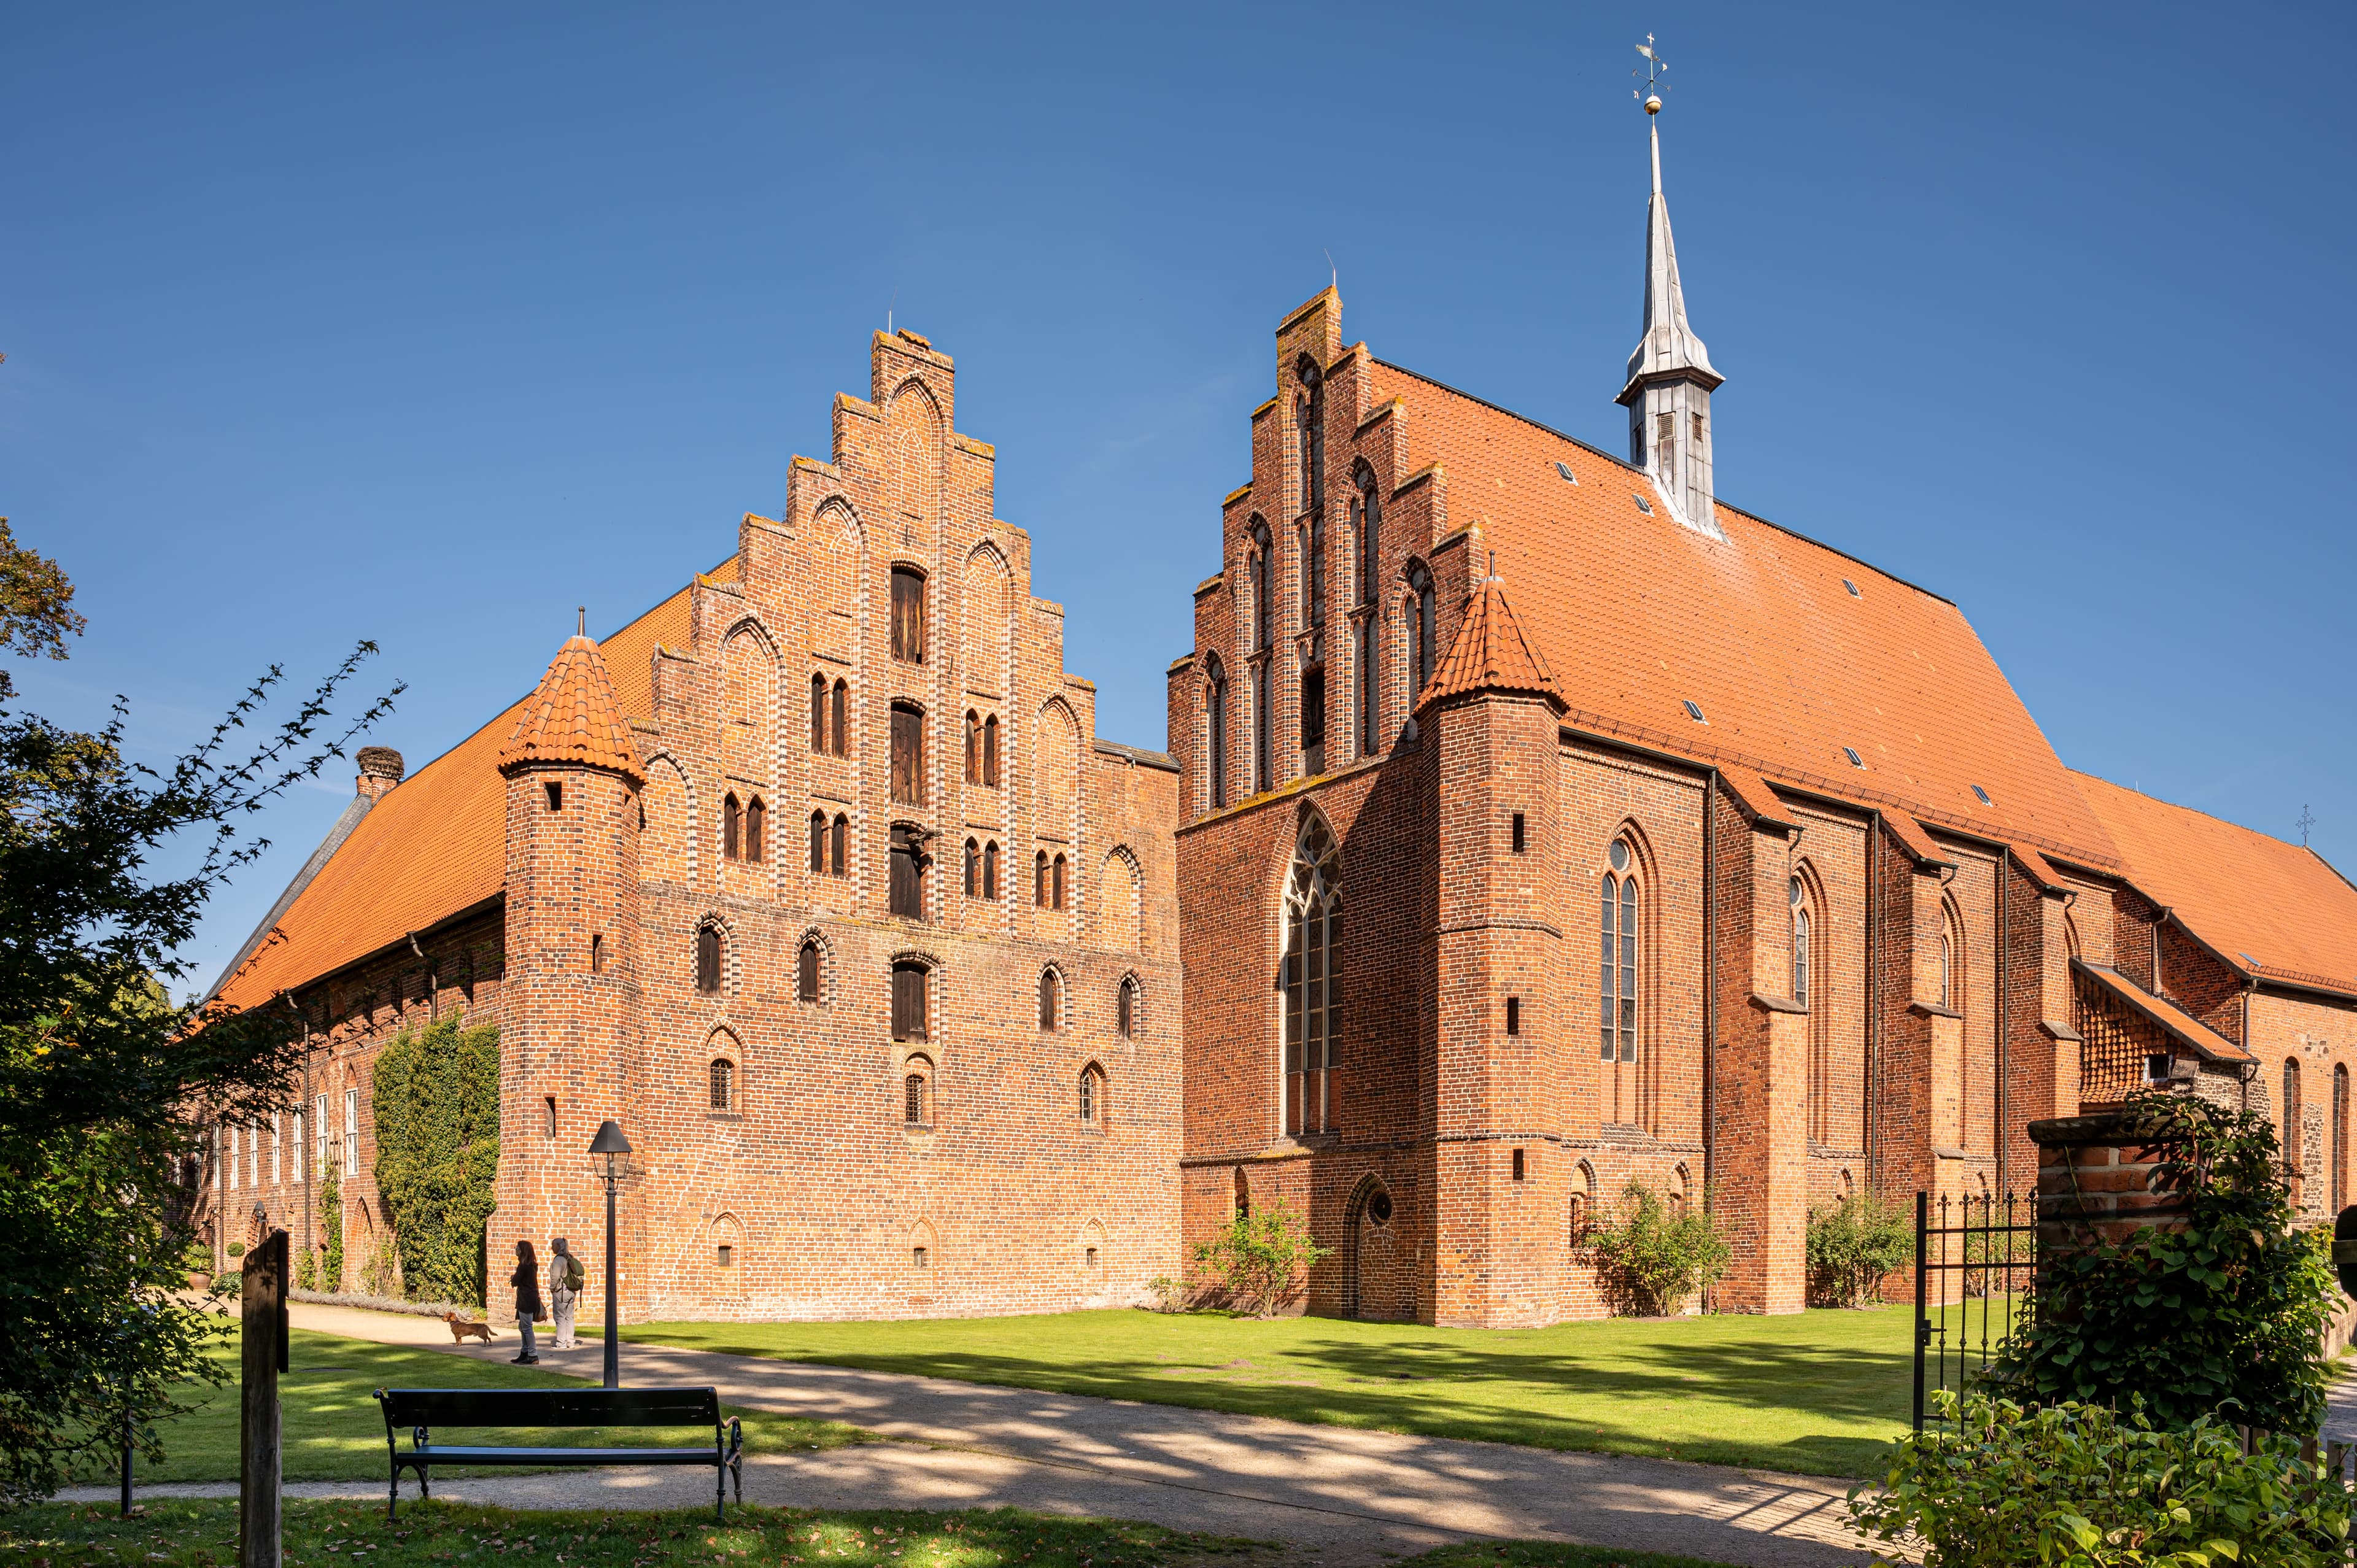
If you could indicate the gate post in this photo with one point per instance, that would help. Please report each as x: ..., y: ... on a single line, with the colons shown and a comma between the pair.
x: 1923, y: 1323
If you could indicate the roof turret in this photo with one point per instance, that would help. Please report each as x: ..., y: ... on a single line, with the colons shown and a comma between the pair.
x: 1489, y: 653
x: 572, y: 718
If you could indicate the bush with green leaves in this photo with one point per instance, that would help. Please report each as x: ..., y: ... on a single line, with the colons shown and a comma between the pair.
x: 1651, y: 1256
x: 1263, y: 1258
x: 2076, y: 1486
x: 437, y: 1157
x: 331, y: 1232
x: 1852, y: 1244
x: 2225, y: 1314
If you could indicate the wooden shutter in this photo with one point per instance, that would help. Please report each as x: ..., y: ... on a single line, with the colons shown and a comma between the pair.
x: 908, y: 756
x: 908, y: 1001
x: 908, y: 616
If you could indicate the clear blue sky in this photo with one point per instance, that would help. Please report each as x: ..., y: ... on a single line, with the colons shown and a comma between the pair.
x: 426, y: 323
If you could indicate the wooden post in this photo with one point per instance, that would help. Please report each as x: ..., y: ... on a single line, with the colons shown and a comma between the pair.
x: 262, y: 1295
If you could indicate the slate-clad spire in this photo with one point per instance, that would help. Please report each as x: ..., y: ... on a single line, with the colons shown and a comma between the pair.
x: 1669, y: 375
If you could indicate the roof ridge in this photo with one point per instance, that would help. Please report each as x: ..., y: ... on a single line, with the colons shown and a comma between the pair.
x: 2198, y: 811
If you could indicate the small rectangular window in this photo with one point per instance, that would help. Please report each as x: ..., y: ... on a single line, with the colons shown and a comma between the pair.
x: 548, y: 1124
x: 906, y: 893
x: 725, y: 1256
x: 1313, y: 707
x: 555, y: 795
x: 598, y: 954
x: 1519, y: 834
x: 1520, y: 1167
x: 919, y: 1257
x: 1514, y: 1015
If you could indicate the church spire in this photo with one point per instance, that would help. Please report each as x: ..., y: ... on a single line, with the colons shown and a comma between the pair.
x: 1669, y: 375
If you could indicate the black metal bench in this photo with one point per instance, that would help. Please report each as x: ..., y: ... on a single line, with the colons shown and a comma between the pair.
x: 423, y: 1410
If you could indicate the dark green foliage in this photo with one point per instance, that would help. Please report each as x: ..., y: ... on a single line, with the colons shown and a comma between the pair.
x: 2226, y: 1315
x: 2075, y: 1485
x: 331, y: 1233
x: 437, y: 1154
x: 1651, y: 1257
x: 1852, y: 1245
x: 109, y: 1088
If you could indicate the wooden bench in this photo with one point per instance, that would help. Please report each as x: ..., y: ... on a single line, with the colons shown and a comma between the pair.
x: 424, y: 1410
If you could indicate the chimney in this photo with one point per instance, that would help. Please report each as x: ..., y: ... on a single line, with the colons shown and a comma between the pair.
x: 380, y: 769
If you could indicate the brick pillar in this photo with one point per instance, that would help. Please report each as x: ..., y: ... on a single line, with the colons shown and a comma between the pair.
x: 1760, y: 1167
x: 2042, y: 1045
x: 2094, y: 1180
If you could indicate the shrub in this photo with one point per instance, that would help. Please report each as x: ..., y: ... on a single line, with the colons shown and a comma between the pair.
x: 1169, y: 1294
x: 1652, y: 1259
x: 2225, y: 1314
x: 307, y: 1272
x: 237, y: 1249
x: 2075, y: 1485
x: 331, y: 1232
x: 1263, y: 1258
x: 1852, y: 1245
x: 438, y: 1156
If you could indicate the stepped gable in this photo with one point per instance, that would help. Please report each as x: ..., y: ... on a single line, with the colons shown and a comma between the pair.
x: 1489, y: 653
x: 572, y: 720
x: 437, y: 843
x: 1638, y: 616
x: 2271, y: 909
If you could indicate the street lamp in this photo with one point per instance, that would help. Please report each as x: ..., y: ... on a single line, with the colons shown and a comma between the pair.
x: 610, y: 1142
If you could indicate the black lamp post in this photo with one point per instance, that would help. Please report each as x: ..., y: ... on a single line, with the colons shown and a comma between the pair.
x: 610, y: 1142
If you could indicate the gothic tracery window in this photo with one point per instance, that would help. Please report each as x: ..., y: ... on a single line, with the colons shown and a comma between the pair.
x: 1617, y: 958
x: 1215, y: 706
x: 1310, y: 978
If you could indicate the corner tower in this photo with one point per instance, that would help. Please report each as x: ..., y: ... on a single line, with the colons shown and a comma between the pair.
x: 570, y: 1053
x: 1669, y: 375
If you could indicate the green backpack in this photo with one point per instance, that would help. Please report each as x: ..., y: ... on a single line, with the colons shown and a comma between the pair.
x: 574, y: 1275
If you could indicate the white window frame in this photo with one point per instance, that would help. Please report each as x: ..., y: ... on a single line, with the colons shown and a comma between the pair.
x: 352, y: 1131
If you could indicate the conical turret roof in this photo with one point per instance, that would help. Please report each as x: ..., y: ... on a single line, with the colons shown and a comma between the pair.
x: 572, y: 718
x: 1489, y: 653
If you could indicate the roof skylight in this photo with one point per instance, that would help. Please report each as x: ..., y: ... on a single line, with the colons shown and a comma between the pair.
x: 1855, y: 759
x: 1565, y: 469
x: 1642, y: 504
x: 1694, y: 712
x: 1853, y: 589
x: 1983, y: 796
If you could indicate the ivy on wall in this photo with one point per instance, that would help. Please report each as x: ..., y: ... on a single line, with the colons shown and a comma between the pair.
x: 331, y: 1232
x: 437, y: 1154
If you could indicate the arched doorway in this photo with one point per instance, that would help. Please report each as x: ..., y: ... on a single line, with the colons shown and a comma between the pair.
x: 1378, y: 1287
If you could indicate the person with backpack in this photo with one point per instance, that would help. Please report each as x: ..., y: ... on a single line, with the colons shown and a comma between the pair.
x: 565, y: 1279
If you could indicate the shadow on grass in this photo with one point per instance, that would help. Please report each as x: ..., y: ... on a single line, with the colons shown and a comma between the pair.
x: 1757, y: 1401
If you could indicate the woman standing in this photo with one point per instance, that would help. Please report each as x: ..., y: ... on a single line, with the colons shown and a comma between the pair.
x: 564, y: 1283
x: 528, y: 1309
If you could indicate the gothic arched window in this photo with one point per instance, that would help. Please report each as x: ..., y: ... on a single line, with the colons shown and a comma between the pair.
x: 838, y: 847
x: 2292, y: 1153
x: 1215, y: 709
x: 707, y: 960
x: 1039, y: 880
x: 723, y: 1096
x: 973, y: 868
x: 732, y: 827
x: 1056, y: 883
x: 1091, y: 1095
x: 972, y: 747
x: 1371, y: 529
x: 806, y: 971
x: 1309, y: 411
x: 990, y: 752
x: 990, y: 871
x: 756, y: 820
x: 1310, y: 978
x: 1421, y: 630
x: 1124, y: 1009
x: 1051, y: 999
x: 1799, y: 944
x: 840, y: 741
x: 1617, y: 958
x: 1261, y: 568
x: 818, y: 844
x: 818, y: 714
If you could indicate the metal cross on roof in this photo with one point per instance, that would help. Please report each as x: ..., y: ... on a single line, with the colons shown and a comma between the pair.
x: 2306, y: 820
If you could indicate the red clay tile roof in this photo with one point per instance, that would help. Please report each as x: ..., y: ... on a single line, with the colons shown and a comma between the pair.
x: 1758, y: 802
x: 573, y: 719
x: 1788, y: 666
x: 2243, y: 894
x: 438, y: 843
x: 2036, y: 867
x: 2173, y: 1021
x: 1489, y: 653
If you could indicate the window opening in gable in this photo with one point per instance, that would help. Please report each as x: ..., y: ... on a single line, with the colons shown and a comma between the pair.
x: 1052, y: 998
x: 707, y: 960
x: 907, y: 893
x: 907, y: 754
x: 990, y: 752
x: 840, y: 739
x: 1091, y: 1097
x: 806, y: 972
x: 909, y: 1021
x: 732, y: 819
x: 818, y: 715
x: 990, y: 872
x: 1125, y: 1009
x: 756, y: 815
x: 839, y: 850
x: 908, y: 615
x: 1215, y: 706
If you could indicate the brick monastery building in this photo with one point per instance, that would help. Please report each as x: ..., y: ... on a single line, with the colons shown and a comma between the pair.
x: 1675, y: 847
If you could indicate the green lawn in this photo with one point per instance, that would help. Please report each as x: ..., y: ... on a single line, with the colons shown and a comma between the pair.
x: 333, y: 1430
x: 192, y: 1534
x: 1818, y: 1393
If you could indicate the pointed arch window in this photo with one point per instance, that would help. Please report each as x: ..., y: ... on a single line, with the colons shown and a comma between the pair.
x: 818, y: 844
x: 1056, y: 883
x: 973, y: 868
x: 1617, y: 958
x: 723, y: 1085
x: 1371, y: 532
x: 838, y: 853
x: 732, y: 828
x: 2294, y: 1156
x: 1125, y: 1008
x: 990, y: 752
x: 990, y: 871
x: 1215, y: 706
x: 1311, y: 980
x: 807, y: 971
x: 1051, y: 999
x: 707, y: 960
x: 818, y: 715
x: 1091, y: 1095
x: 1799, y: 944
x: 756, y: 822
x: 1261, y: 569
x: 1309, y: 415
x: 1421, y: 629
x: 840, y: 739
x: 1040, y: 880
x: 972, y: 747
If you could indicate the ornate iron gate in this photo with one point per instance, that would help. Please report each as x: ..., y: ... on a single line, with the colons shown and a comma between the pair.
x: 1975, y: 1272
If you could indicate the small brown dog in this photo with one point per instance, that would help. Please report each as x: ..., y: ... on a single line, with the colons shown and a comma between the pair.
x: 460, y: 1328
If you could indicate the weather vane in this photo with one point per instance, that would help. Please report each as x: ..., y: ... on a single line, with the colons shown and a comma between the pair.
x: 1652, y: 70
x: 2306, y: 820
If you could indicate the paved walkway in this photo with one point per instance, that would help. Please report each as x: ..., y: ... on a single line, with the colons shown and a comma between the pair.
x: 1355, y: 1497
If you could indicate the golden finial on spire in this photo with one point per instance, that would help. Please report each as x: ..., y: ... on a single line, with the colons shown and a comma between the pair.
x: 1652, y: 70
